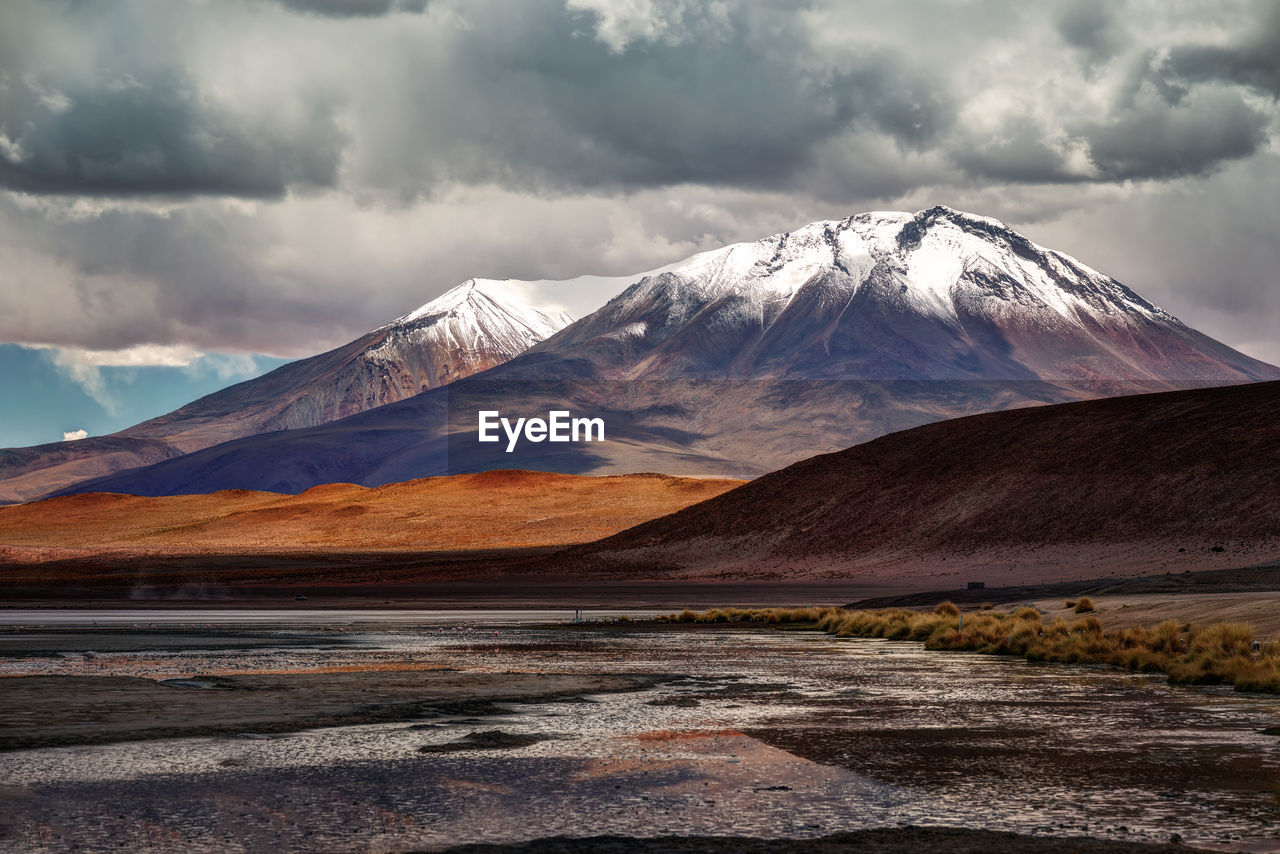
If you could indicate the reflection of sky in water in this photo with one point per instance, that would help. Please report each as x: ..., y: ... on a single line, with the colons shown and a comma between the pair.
x: 839, y: 735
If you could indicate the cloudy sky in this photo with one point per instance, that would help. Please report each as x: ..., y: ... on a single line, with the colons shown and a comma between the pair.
x: 194, y: 189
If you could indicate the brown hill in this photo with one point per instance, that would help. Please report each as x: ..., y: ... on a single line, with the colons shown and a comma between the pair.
x: 1133, y: 485
x: 497, y: 509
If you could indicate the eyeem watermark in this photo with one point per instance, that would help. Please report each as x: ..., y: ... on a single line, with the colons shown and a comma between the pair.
x: 558, y: 426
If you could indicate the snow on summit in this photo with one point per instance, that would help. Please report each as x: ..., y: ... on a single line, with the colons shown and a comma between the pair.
x: 479, y: 315
x: 888, y: 295
x: 939, y: 263
x: 944, y: 260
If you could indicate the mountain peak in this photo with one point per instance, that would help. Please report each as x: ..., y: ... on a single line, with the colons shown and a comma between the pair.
x: 468, y: 295
x: 940, y: 211
x: 487, y: 307
x: 734, y: 361
x: 983, y: 227
x: 941, y: 262
x: 939, y: 293
x: 473, y: 327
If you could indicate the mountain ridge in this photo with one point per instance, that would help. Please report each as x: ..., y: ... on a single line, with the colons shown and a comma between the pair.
x: 470, y: 328
x: 746, y: 358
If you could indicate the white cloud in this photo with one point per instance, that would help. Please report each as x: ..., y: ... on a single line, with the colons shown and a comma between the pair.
x: 89, y: 378
x: 52, y: 100
x: 140, y: 356
x: 83, y: 367
x: 73, y: 435
x: 226, y: 366
x: 11, y: 149
x: 621, y: 22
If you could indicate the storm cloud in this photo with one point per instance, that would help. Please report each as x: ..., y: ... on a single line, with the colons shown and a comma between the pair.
x: 354, y: 8
x: 278, y: 176
x: 1252, y: 59
x: 158, y: 136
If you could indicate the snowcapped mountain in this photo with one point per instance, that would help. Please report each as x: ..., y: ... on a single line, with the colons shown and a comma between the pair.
x: 747, y: 358
x: 470, y: 328
x: 938, y: 295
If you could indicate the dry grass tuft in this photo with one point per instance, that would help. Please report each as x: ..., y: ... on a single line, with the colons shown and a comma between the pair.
x: 1218, y: 653
x: 775, y: 616
x: 1084, y: 606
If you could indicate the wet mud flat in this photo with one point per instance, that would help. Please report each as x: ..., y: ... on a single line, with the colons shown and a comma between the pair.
x: 51, y: 711
x: 429, y: 736
x: 86, y: 642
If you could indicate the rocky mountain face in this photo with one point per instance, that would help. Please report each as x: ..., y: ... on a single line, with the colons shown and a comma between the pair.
x: 747, y: 358
x: 471, y: 328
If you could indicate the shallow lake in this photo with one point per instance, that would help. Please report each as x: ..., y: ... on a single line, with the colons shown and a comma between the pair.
x: 761, y: 733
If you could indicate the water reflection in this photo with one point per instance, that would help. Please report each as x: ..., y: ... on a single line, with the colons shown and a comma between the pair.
x: 767, y: 734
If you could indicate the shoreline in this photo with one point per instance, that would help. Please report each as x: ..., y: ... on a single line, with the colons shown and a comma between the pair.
x: 510, y: 585
x: 908, y: 839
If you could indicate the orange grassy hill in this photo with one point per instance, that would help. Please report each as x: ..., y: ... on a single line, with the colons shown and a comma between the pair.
x: 496, y: 509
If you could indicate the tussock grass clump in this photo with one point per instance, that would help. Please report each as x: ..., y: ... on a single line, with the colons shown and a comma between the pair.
x: 1217, y: 653
x: 889, y: 623
x: 750, y: 615
x: 1070, y: 603
x: 1084, y: 606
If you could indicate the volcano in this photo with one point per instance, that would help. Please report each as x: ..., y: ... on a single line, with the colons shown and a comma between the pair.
x: 744, y: 359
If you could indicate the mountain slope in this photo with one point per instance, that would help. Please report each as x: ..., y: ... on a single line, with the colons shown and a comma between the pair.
x: 1131, y: 484
x: 471, y: 328
x: 744, y: 359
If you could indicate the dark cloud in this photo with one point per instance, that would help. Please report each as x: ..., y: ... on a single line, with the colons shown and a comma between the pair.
x: 1020, y: 153
x: 283, y: 174
x: 1092, y: 27
x: 353, y: 8
x: 615, y: 97
x: 1253, y: 60
x: 534, y: 100
x: 1155, y: 139
x: 1156, y: 126
x: 159, y: 135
